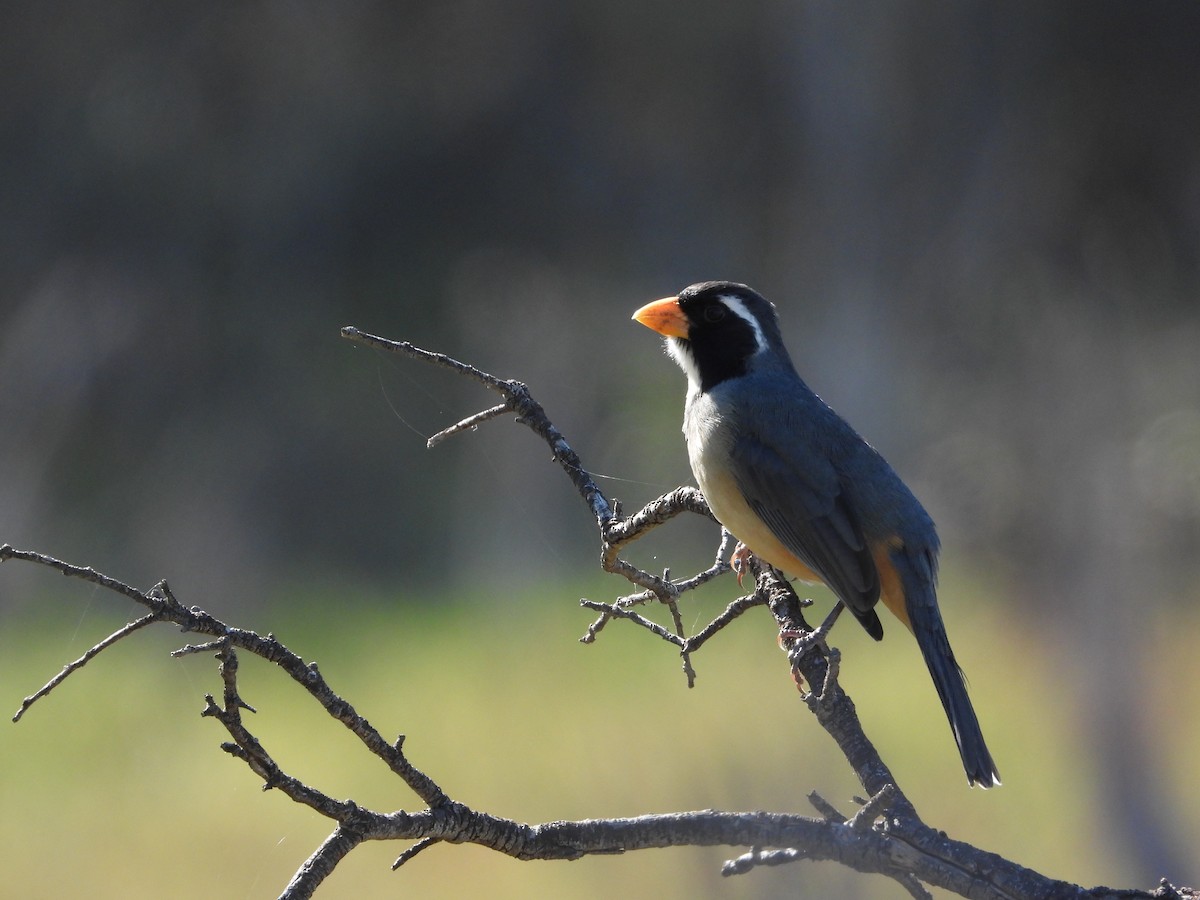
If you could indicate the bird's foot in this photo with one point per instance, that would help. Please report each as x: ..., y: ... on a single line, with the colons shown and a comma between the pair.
x: 740, y: 560
x: 798, y: 642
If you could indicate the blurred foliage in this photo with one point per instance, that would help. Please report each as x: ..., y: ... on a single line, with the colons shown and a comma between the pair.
x: 980, y: 224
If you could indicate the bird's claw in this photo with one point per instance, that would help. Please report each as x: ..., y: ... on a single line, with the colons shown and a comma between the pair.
x: 740, y: 561
x: 798, y: 642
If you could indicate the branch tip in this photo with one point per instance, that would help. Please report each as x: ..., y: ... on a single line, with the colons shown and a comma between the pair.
x: 412, y: 851
x: 827, y: 810
x: 872, y: 809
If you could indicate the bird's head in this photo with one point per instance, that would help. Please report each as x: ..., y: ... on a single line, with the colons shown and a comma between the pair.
x: 717, y: 330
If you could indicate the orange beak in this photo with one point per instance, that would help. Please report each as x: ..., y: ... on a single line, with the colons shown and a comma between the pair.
x: 665, y: 317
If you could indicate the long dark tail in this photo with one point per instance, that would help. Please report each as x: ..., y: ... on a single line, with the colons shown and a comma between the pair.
x: 930, y: 632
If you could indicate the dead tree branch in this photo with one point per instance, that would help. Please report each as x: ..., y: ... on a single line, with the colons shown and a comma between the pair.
x: 885, y: 836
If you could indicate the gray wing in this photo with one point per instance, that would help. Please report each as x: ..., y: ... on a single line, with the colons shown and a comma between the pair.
x: 805, y: 506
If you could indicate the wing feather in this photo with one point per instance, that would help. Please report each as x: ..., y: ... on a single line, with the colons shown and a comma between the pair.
x: 805, y: 507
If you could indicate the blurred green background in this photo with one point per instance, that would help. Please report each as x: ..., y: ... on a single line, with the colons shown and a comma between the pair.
x: 981, y: 226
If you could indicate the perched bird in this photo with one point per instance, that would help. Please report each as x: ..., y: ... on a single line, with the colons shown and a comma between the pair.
x: 793, y: 482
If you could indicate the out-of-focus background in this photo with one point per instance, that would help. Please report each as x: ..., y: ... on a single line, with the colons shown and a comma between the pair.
x: 981, y: 226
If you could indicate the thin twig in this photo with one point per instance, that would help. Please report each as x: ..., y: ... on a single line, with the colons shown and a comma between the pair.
x: 83, y: 661
x: 827, y: 810
x: 684, y: 654
x: 439, y: 359
x: 165, y: 607
x: 87, y: 573
x: 612, y: 610
x: 656, y: 513
x: 873, y: 808
x: 517, y: 397
x: 732, y: 611
x: 468, y: 423
x: 189, y: 649
x: 413, y: 851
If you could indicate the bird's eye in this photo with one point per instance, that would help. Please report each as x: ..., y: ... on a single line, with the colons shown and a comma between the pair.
x: 714, y: 313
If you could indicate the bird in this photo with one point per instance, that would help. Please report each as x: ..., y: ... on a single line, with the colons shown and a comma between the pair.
x: 795, y: 484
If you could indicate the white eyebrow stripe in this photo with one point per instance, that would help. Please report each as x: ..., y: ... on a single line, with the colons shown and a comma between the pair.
x: 738, y: 308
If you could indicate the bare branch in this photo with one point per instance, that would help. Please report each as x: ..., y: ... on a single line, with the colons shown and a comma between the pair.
x: 732, y: 611
x: 491, y: 382
x: 86, y: 573
x: 163, y: 605
x: 321, y: 864
x: 884, y: 836
x: 517, y: 397
x: 615, y: 610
